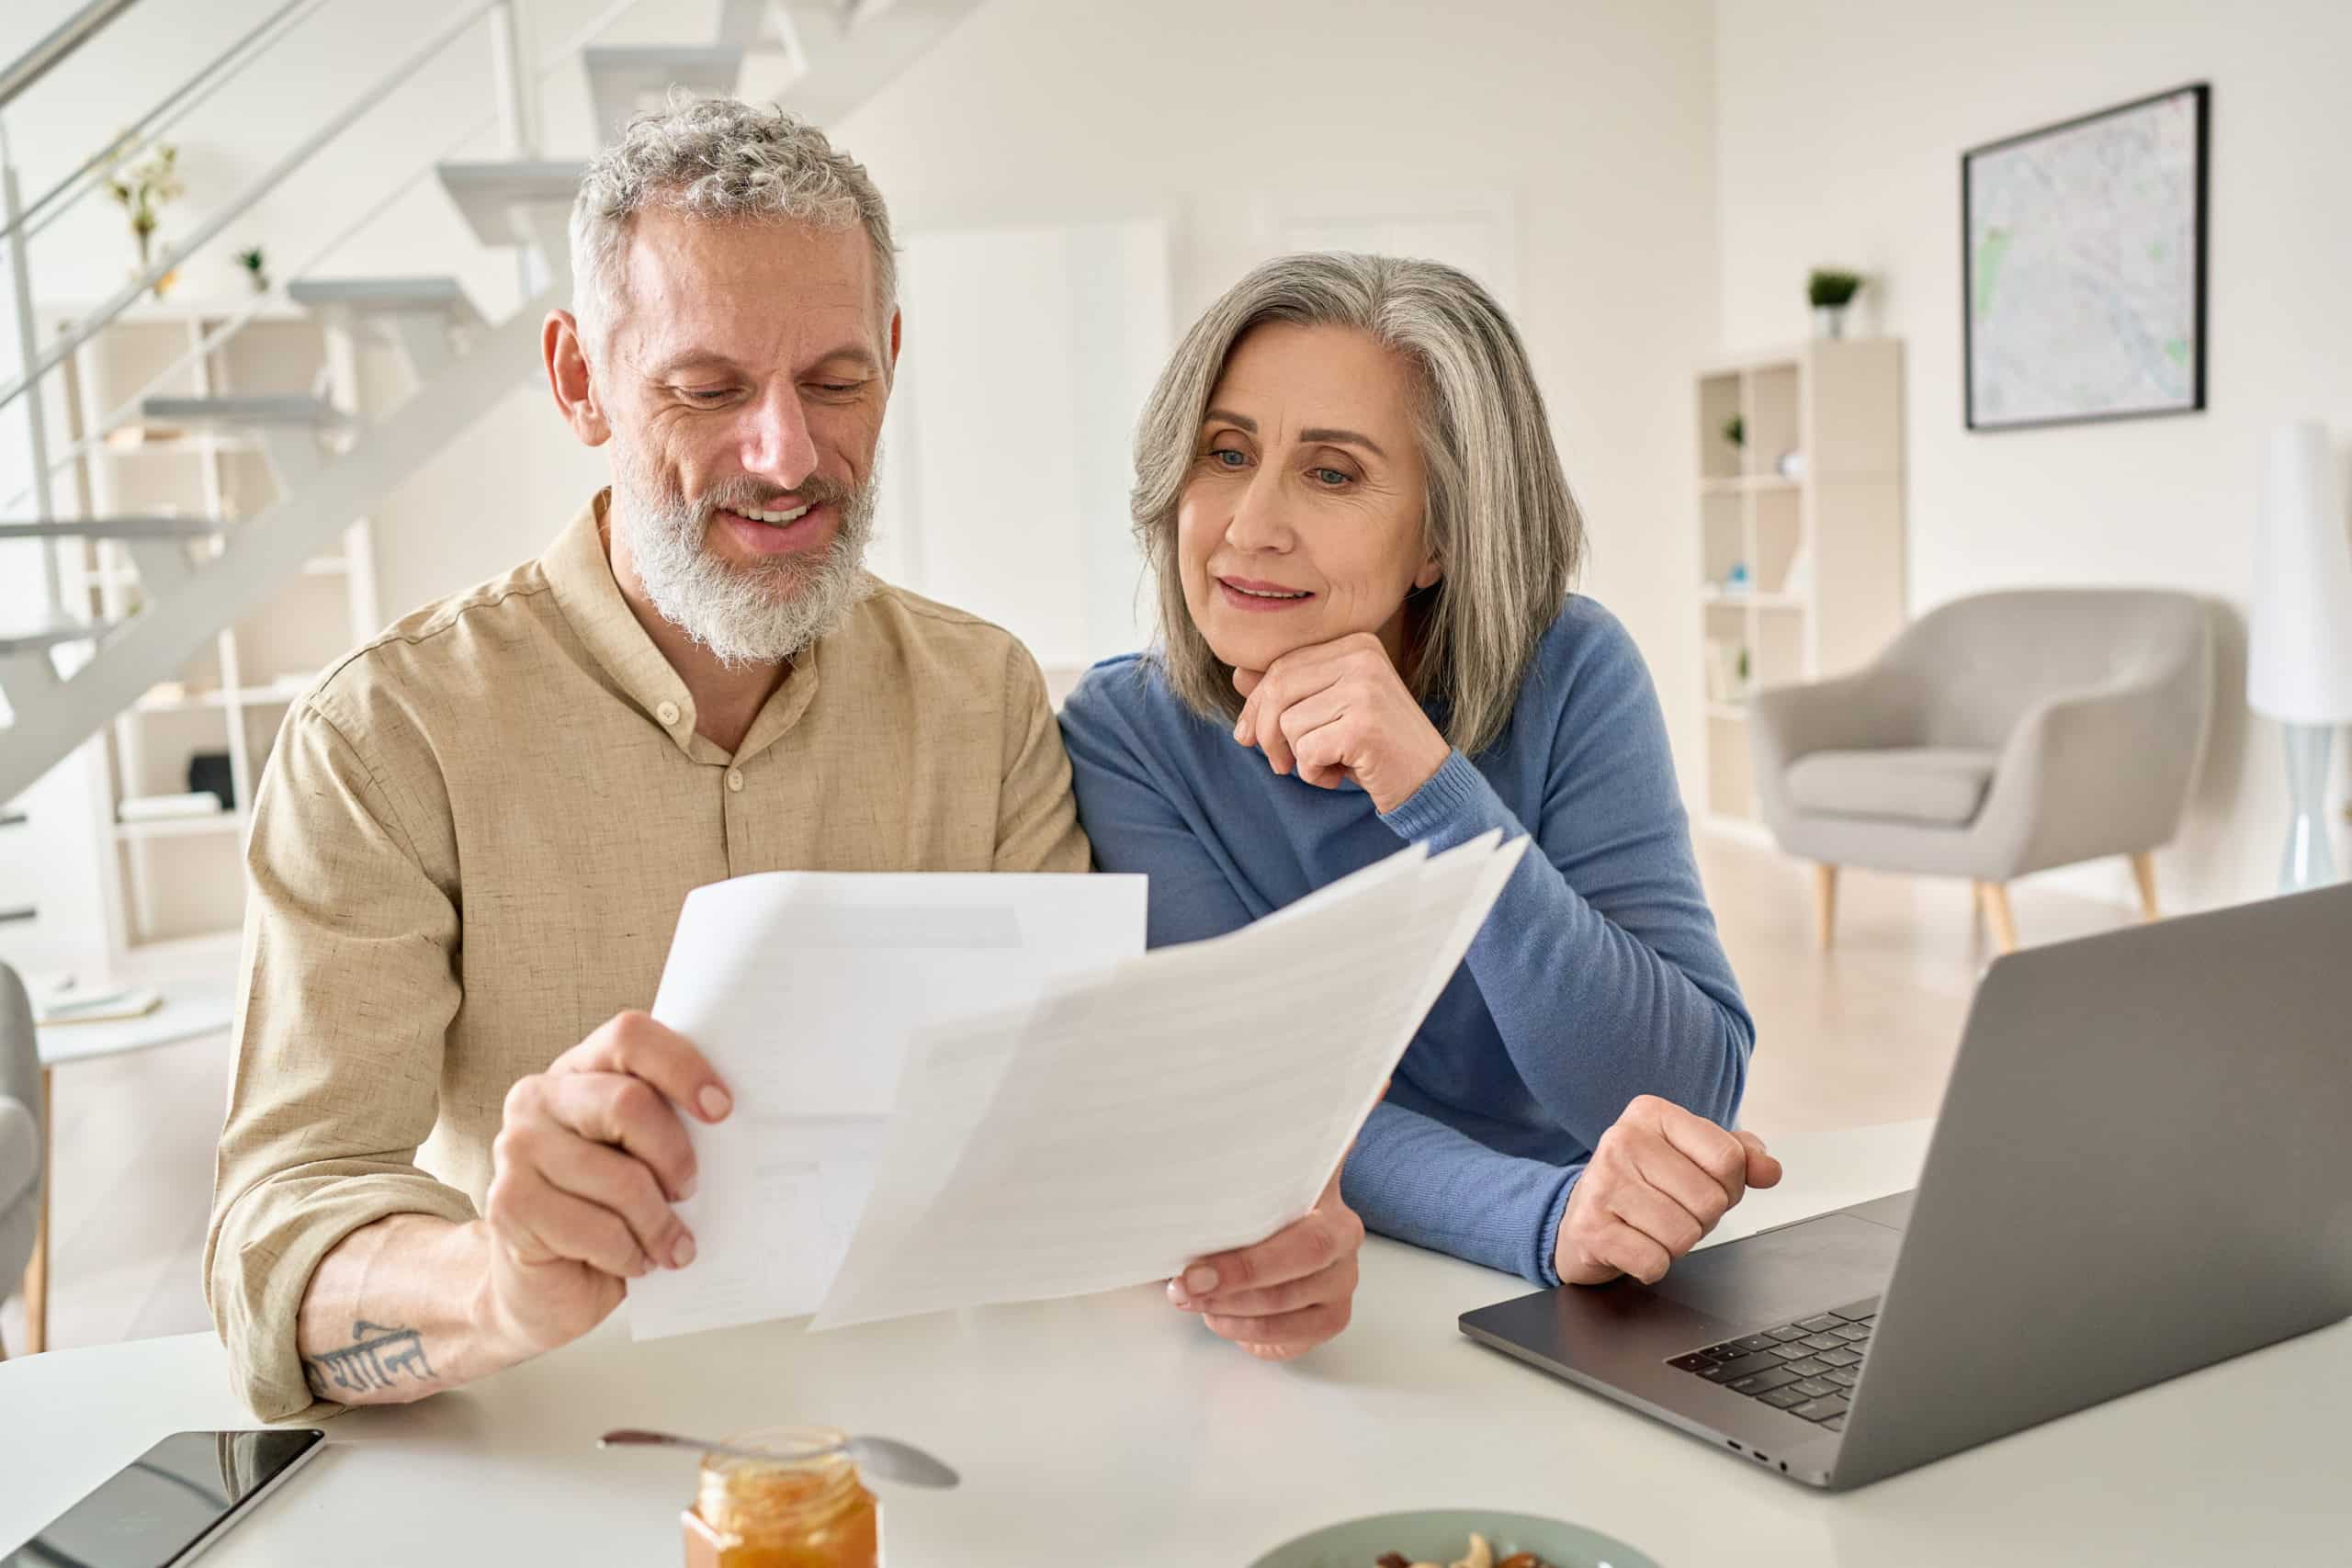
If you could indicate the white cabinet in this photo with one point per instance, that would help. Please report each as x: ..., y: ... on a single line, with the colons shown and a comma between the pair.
x: 1801, y: 534
x: 166, y: 878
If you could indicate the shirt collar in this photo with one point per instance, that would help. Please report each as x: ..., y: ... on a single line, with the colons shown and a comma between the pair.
x: 579, y: 570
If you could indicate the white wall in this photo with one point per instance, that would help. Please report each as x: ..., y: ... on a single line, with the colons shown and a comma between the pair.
x: 1840, y: 125
x: 1592, y: 118
x: 1005, y: 479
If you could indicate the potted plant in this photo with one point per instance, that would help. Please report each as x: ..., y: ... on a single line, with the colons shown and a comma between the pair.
x: 255, y: 268
x: 1831, y: 291
x: 142, y: 183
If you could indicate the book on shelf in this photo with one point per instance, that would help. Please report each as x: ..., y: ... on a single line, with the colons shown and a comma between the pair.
x: 169, y: 807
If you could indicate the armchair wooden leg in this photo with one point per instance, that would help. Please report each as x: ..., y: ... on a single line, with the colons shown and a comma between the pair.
x: 37, y: 1271
x: 2144, y: 871
x: 1994, y: 898
x: 1825, y: 897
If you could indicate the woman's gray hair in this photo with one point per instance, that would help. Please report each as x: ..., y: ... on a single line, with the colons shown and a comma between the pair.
x: 1501, y: 523
x: 725, y: 161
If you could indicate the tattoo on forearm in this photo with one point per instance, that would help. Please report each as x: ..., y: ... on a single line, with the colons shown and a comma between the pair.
x: 376, y: 1357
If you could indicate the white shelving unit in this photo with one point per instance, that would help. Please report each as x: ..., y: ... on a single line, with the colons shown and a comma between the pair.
x: 175, y: 879
x: 1801, y: 568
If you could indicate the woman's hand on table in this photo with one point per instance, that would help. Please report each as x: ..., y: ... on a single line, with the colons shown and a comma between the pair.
x: 1338, y: 711
x: 1657, y: 1184
x: 1289, y: 1293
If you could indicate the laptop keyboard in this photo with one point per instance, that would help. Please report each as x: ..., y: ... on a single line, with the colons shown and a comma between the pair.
x: 1807, y: 1367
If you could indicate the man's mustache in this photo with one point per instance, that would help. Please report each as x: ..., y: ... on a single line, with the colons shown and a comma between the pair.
x: 736, y: 495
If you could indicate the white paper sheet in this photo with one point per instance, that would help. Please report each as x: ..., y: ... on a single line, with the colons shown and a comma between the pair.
x: 803, y: 989
x: 1192, y: 1100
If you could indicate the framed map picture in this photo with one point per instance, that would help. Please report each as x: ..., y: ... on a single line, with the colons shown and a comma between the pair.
x: 2084, y: 267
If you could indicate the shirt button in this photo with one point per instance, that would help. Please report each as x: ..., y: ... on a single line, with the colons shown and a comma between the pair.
x: 667, y: 712
x: 735, y: 779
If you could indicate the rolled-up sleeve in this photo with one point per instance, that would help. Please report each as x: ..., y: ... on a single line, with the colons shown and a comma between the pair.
x: 347, y: 988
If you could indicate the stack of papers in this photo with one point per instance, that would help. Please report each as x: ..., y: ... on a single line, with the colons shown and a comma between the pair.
x: 1117, y: 1118
x: 71, y: 1003
x: 803, y: 989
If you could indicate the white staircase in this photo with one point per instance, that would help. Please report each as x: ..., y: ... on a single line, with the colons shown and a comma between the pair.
x: 197, y: 575
x: 622, y: 80
x: 429, y: 320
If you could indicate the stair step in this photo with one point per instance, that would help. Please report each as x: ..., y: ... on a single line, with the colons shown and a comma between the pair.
x: 113, y: 528
x: 382, y: 296
x: 689, y: 65
x: 752, y: 23
x: 493, y: 195
x: 243, y: 412
x: 850, y: 53
x: 34, y: 639
x: 619, y: 79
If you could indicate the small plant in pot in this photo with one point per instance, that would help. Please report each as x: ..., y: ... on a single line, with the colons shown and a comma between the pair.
x: 144, y: 181
x: 1831, y: 291
x: 257, y: 269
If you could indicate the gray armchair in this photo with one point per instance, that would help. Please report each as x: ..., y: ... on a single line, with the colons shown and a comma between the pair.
x: 1997, y: 735
x: 20, y: 1131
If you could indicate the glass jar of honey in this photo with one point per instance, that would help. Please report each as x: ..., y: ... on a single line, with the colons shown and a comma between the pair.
x: 804, y: 1508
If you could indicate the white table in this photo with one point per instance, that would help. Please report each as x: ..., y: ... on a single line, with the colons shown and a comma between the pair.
x: 188, y: 1011
x: 1112, y: 1429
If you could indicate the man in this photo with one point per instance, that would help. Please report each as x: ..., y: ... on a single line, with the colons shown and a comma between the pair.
x: 449, y: 1143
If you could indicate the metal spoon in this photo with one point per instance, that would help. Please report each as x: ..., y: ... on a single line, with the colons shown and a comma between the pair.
x: 886, y: 1459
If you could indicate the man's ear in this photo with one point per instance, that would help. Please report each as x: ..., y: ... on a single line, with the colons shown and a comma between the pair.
x: 897, y: 321
x: 569, y: 380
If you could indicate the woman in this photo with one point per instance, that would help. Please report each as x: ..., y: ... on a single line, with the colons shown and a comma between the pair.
x: 1364, y: 543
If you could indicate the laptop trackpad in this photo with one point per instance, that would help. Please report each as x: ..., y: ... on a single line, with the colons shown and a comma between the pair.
x: 1788, y: 1273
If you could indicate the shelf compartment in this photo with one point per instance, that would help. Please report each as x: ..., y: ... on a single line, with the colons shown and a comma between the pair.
x: 1775, y: 421
x: 1779, y: 537
x: 178, y: 826
x: 1719, y: 400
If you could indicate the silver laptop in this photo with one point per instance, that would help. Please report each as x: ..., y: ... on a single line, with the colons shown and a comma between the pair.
x: 2139, y: 1169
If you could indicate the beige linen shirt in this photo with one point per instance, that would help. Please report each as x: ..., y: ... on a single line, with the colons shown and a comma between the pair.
x: 470, y: 848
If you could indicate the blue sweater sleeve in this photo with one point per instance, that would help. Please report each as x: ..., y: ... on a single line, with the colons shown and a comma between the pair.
x: 1600, y: 962
x: 1408, y: 1176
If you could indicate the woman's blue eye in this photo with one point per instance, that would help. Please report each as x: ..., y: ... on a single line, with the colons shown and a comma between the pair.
x: 1222, y: 453
x: 1330, y: 479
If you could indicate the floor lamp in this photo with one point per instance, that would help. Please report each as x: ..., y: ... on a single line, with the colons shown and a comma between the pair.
x: 2299, y: 652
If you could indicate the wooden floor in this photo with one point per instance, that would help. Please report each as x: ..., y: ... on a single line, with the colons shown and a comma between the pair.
x: 1860, y: 1035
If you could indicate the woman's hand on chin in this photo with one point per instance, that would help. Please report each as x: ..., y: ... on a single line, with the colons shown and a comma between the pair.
x: 1338, y: 711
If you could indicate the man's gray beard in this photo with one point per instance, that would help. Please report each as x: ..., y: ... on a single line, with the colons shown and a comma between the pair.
x: 761, y: 614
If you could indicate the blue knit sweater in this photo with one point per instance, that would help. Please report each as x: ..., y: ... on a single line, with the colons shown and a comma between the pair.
x: 1597, y: 977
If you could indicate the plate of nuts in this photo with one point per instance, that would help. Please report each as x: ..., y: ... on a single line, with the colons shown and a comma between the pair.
x: 1455, y: 1538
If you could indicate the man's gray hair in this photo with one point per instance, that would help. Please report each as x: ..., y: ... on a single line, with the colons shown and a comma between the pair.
x: 724, y: 160
x: 1501, y: 523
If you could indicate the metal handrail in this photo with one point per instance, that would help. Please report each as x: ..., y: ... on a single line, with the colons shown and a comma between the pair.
x: 52, y: 51
x: 81, y: 332
x: 551, y: 62
x: 183, y: 99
